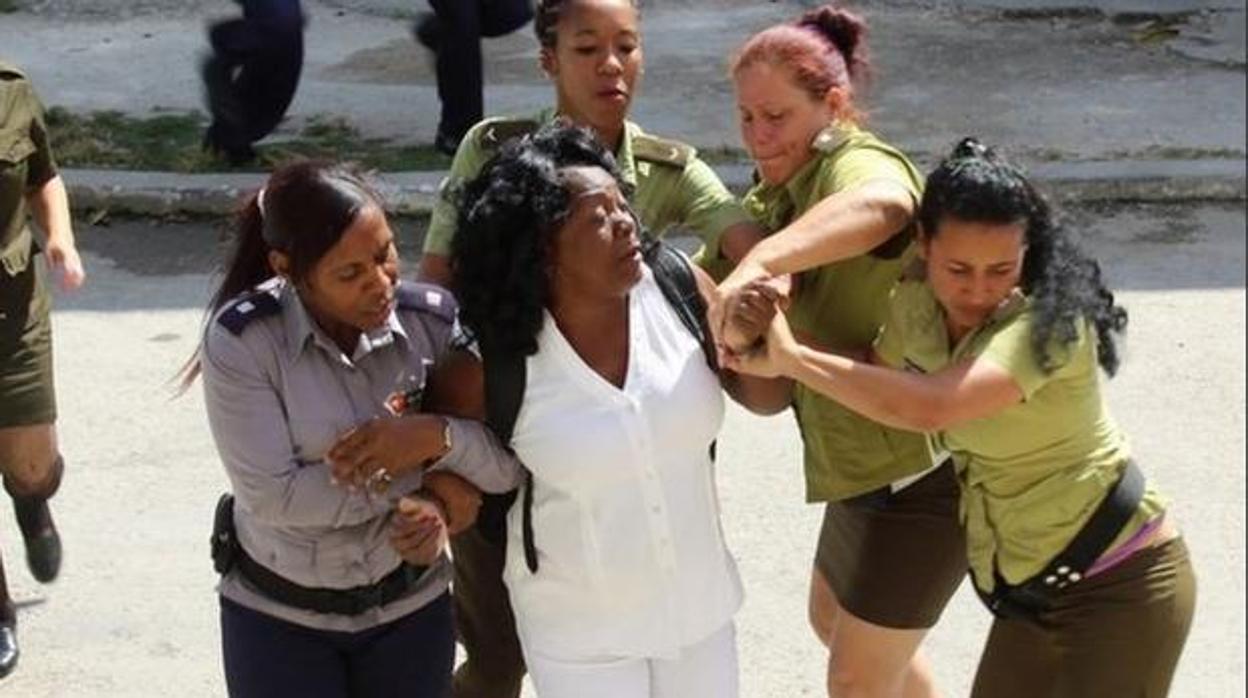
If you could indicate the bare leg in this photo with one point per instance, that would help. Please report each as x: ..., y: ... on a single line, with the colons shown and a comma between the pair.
x: 867, y: 660
x: 32, y: 470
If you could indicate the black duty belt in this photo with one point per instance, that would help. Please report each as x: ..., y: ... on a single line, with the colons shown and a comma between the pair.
x: 1068, y: 567
x: 228, y: 553
x: 345, y: 602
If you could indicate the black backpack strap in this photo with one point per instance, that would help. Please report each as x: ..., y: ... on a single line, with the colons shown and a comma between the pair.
x: 674, y: 273
x: 505, y: 379
x: 506, y: 376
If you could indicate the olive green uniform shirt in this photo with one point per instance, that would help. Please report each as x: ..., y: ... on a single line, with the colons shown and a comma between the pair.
x: 671, y: 186
x: 841, y: 306
x: 26, y: 164
x: 1033, y: 473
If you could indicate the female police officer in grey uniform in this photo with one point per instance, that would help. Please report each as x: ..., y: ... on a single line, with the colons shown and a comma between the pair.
x: 29, y: 458
x: 312, y: 334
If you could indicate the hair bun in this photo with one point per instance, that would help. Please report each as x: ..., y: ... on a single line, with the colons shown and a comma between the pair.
x: 844, y: 29
x: 971, y: 147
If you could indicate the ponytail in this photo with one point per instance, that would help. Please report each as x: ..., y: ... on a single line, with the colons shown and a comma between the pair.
x: 248, y: 265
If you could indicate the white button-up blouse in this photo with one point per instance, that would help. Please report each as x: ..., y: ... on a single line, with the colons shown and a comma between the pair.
x: 632, y: 560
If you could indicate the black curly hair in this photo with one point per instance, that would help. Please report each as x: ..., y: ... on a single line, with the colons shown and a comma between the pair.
x: 975, y: 184
x: 508, y: 215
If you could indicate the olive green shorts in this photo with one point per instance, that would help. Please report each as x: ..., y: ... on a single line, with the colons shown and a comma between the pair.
x: 895, y: 558
x: 26, y: 389
x: 1117, y: 633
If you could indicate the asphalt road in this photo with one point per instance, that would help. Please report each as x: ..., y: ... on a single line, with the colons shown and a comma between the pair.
x: 134, y: 615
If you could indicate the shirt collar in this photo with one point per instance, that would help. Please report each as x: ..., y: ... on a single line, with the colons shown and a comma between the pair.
x: 623, y: 154
x: 302, y: 330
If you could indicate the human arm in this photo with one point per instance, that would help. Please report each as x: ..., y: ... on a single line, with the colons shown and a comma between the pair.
x: 959, y: 393
x: 456, y: 398
x: 759, y: 394
x: 841, y: 225
x: 435, y: 261
x: 248, y: 420
x: 49, y: 203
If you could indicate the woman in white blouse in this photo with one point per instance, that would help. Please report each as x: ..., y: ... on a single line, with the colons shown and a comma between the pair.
x: 634, y: 591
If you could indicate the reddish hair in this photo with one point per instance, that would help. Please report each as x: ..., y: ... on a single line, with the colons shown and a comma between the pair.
x: 823, y: 49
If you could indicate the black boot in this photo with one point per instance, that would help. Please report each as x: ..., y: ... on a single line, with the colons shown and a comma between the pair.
x: 34, y: 518
x: 8, y: 629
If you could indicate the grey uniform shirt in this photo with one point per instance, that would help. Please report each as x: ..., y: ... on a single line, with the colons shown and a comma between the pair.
x: 278, y: 393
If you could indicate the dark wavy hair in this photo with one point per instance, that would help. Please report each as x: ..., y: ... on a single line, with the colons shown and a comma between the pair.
x: 975, y: 184
x: 508, y: 215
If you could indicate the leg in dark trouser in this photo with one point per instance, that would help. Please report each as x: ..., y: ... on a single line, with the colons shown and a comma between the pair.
x: 455, y: 36
x: 252, y: 74
x: 410, y: 658
x: 494, y: 666
x: 1118, y: 633
x: 265, y: 656
x: 458, y: 66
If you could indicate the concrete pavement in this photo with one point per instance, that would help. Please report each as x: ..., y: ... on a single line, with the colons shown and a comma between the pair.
x: 1130, y: 99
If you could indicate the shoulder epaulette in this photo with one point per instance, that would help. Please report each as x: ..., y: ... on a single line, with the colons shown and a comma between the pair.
x: 829, y: 139
x: 662, y: 150
x: 426, y: 298
x: 257, y: 304
x: 497, y: 132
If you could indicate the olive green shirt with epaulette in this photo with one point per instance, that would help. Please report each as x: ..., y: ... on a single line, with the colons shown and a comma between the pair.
x: 1033, y: 473
x: 25, y: 164
x: 672, y: 187
x: 841, y: 306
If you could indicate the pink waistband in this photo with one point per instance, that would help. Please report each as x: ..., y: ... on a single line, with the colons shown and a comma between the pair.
x: 1129, y: 547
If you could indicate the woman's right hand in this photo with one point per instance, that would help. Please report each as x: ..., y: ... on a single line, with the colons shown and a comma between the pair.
x: 775, y: 358
x: 747, y: 315
x: 418, y: 530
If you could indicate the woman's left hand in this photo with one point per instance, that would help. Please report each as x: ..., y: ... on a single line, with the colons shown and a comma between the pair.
x: 418, y: 530
x: 384, y: 448
x: 774, y: 358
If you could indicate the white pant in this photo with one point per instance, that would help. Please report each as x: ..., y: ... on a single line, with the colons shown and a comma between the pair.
x: 707, y: 669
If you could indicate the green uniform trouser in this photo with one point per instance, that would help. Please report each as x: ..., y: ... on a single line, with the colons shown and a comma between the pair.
x: 494, y: 667
x: 1118, y: 633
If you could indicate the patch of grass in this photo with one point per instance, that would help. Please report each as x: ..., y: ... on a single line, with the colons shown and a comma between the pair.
x: 172, y: 142
x: 7, y: 6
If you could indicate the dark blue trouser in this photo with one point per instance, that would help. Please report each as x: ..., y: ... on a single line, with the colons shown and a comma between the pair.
x: 461, y: 24
x: 254, y: 70
x: 408, y: 658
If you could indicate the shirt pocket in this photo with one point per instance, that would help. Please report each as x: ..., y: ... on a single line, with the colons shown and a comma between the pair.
x: 15, y: 146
